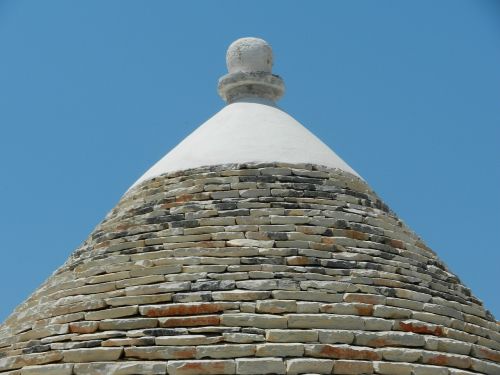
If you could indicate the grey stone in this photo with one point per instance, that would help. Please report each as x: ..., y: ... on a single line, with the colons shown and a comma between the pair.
x: 261, y: 366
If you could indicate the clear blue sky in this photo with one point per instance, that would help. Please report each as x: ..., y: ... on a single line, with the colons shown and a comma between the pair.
x: 92, y: 93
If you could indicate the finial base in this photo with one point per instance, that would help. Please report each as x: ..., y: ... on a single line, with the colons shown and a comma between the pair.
x: 235, y: 86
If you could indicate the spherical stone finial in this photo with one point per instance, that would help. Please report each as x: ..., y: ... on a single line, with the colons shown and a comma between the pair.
x: 249, y: 62
x: 249, y: 55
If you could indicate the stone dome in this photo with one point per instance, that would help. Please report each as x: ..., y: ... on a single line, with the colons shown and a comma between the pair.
x: 251, y: 248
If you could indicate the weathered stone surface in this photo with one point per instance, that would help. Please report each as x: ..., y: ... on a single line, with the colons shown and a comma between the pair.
x: 190, y: 321
x: 346, y: 367
x: 18, y: 361
x: 291, y: 335
x: 486, y: 367
x: 297, y: 366
x: 324, y: 321
x: 429, y: 370
x: 307, y: 296
x: 139, y: 300
x: 163, y: 288
x: 155, y: 332
x: 341, y: 352
x: 194, y: 308
x: 276, y: 306
x: 98, y: 336
x: 242, y: 338
x: 280, y: 350
x: 130, y: 341
x: 116, y: 312
x: 412, y: 295
x: 279, y: 268
x: 263, y: 366
x: 401, y: 354
x: 381, y: 339
x: 416, y: 326
x: 83, y: 327
x: 91, y: 355
x: 126, y: 324
x: 486, y: 353
x: 267, y: 284
x: 156, y: 353
x: 186, y: 340
x: 460, y: 372
x: 121, y: 368
x: 448, y: 345
x: 391, y: 312
x: 225, y: 351
x: 377, y: 324
x: 249, y: 243
x: 240, y: 295
x: 33, y: 334
x: 363, y: 309
x: 451, y: 360
x: 335, y: 336
x: 192, y: 297
x: 387, y: 368
x: 201, y: 367
x: 51, y: 369
x: 254, y: 320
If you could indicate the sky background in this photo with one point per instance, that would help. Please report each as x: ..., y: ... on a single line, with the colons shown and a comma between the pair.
x: 92, y: 93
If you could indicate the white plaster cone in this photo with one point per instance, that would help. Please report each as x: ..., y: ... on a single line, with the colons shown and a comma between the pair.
x: 251, y: 128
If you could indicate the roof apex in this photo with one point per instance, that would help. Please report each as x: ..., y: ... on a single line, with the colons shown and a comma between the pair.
x: 251, y: 128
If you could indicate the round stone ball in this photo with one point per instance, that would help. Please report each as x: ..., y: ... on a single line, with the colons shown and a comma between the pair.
x: 249, y: 55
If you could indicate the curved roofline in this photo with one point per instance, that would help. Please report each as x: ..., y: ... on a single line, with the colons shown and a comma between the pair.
x: 248, y: 130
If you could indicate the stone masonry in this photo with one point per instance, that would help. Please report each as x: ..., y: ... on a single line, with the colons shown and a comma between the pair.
x: 251, y: 269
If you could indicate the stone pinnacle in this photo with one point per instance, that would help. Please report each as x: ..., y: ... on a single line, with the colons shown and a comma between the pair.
x: 249, y: 62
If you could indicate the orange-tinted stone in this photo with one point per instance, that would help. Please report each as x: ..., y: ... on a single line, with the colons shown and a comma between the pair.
x: 160, y: 353
x: 353, y: 367
x: 388, y: 283
x: 445, y: 360
x: 123, y: 226
x: 328, y: 240
x: 486, y: 353
x: 372, y: 299
x: 185, y: 353
x: 184, y: 198
x: 356, y: 235
x: 299, y: 261
x: 201, y: 367
x: 397, y: 243
x: 18, y: 361
x: 345, y: 352
x: 422, y: 328
x: 364, y: 309
x: 83, y: 327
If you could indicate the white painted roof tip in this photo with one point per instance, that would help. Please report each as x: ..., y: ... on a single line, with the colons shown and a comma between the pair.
x: 249, y: 63
x: 251, y: 128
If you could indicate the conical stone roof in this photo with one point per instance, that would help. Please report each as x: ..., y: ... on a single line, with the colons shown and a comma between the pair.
x: 230, y: 258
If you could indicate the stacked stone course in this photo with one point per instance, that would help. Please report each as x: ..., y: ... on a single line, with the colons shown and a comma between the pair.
x: 251, y: 269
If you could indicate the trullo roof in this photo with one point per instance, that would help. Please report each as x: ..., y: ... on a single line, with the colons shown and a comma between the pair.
x: 251, y: 248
